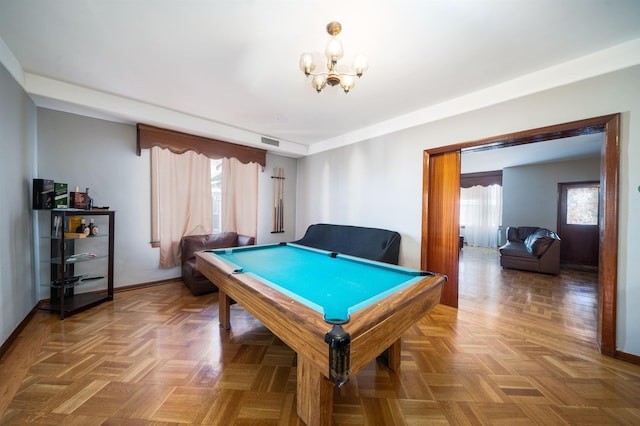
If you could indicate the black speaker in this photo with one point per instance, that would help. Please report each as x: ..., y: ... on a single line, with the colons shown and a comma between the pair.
x: 43, y: 194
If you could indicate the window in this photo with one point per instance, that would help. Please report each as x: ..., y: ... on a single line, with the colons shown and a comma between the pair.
x: 582, y: 206
x: 481, y: 215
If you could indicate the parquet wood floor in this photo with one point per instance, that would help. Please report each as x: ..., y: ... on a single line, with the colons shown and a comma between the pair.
x: 520, y: 350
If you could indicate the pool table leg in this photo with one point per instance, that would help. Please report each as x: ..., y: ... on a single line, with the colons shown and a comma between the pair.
x: 314, y: 394
x: 393, y: 355
x: 224, y: 314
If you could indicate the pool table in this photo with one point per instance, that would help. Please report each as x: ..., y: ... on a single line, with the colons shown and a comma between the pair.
x: 337, y: 312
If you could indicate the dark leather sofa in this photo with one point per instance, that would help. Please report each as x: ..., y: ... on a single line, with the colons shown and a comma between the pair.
x: 189, y: 245
x: 530, y: 248
x: 370, y: 243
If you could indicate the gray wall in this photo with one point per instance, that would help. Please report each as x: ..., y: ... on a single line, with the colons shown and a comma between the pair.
x: 100, y: 155
x: 17, y: 165
x: 530, y: 193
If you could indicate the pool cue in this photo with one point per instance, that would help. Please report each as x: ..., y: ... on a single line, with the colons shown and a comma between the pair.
x: 281, y: 227
x: 275, y: 202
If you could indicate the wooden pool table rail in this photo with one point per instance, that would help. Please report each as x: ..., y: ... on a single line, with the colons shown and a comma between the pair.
x: 373, y: 329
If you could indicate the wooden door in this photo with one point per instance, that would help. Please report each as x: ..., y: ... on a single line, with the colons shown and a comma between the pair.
x: 578, y: 223
x: 441, y: 220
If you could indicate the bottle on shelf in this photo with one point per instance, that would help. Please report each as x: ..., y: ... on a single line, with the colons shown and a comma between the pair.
x: 89, y: 200
x: 93, y: 229
x: 83, y: 228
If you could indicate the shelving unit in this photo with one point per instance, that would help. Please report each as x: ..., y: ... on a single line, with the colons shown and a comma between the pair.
x: 81, y: 267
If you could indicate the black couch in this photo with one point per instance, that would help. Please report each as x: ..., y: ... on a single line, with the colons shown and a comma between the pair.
x: 369, y: 243
x: 530, y: 248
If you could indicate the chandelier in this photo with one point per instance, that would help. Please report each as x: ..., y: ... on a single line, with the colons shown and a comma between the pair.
x: 331, y: 74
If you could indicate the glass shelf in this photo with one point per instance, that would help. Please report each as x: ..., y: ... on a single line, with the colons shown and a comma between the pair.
x: 77, y: 258
x: 75, y: 281
x: 87, y: 238
x: 66, y: 249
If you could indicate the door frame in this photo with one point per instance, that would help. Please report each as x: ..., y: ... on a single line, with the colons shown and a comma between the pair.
x: 609, y: 184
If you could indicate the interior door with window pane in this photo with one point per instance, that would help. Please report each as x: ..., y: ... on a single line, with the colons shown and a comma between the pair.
x: 578, y: 223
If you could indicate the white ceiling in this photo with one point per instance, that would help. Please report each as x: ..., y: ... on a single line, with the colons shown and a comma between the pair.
x: 229, y: 69
x: 572, y: 148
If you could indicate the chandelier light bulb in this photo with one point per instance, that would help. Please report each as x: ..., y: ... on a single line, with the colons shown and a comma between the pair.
x: 360, y: 64
x: 334, y: 50
x: 347, y: 82
x: 306, y: 63
x: 330, y: 73
x: 318, y: 82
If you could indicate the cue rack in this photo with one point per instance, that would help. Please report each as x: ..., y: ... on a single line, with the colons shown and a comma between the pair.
x: 278, y: 200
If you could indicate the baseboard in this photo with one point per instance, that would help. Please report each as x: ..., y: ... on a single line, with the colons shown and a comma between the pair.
x: 585, y: 268
x: 635, y: 359
x: 13, y: 336
x: 147, y: 284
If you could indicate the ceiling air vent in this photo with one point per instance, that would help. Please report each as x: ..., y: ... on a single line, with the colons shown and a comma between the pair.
x: 270, y: 141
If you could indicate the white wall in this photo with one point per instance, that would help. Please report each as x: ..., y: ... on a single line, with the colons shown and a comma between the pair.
x: 17, y: 168
x: 367, y: 184
x: 100, y: 155
x: 379, y: 182
x: 530, y: 193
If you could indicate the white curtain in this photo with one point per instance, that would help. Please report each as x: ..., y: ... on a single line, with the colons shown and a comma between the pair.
x: 239, y: 197
x: 181, y: 193
x: 481, y: 215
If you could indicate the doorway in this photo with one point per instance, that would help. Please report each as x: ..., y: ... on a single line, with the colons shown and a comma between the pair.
x: 440, y: 211
x: 578, y: 207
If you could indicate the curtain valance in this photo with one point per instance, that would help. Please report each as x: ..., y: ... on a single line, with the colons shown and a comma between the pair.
x: 468, y: 180
x: 178, y: 142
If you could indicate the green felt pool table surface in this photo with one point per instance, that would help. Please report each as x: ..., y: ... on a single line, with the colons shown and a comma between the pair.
x: 334, y: 285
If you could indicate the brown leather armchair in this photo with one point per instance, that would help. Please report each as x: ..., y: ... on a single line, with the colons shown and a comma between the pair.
x: 531, y: 249
x: 189, y: 245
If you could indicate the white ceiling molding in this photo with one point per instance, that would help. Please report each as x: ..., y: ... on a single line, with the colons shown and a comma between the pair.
x: 58, y: 95
x: 622, y: 56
